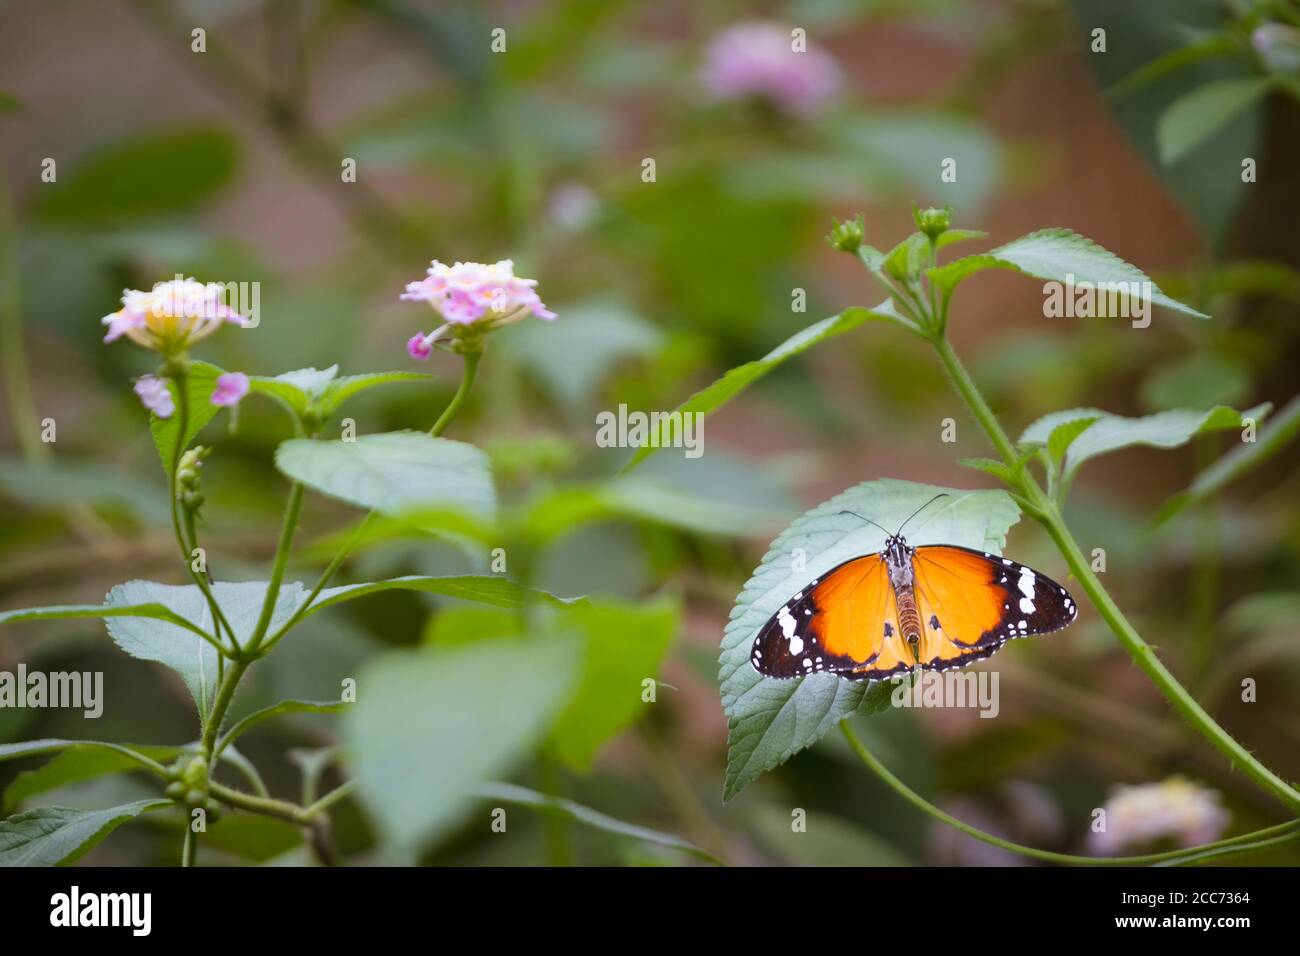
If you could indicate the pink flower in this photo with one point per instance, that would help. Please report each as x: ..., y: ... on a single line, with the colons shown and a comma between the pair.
x: 418, y: 348
x: 231, y: 387
x: 759, y: 58
x: 155, y: 395
x: 472, y: 296
x: 171, y: 317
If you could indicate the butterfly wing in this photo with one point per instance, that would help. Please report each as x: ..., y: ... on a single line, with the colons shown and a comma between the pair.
x: 845, y: 622
x: 972, y: 602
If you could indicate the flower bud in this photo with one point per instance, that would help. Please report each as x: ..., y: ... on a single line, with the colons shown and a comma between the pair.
x: 933, y: 222
x: 175, y: 790
x: 847, y: 236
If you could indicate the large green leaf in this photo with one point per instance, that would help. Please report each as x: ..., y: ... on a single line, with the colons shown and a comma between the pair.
x: 510, y: 793
x: 430, y: 726
x: 482, y: 588
x: 75, y: 764
x: 1196, y: 116
x: 148, y: 175
x: 770, y: 720
x: 625, y: 645
x: 1056, y: 255
x: 56, y: 836
x: 200, y: 384
x: 1109, y: 432
x: 393, y: 472
x: 741, y: 377
x: 190, y: 656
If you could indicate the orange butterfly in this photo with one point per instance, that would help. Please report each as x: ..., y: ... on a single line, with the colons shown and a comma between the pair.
x: 937, y: 606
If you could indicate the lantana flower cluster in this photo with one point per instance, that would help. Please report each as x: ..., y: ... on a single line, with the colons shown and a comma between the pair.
x: 169, y: 319
x: 472, y: 297
x: 758, y: 59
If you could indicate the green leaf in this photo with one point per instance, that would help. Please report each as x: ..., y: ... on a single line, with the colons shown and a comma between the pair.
x: 200, y: 384
x: 431, y: 726
x: 1109, y: 432
x: 905, y: 261
x: 625, y: 645
x: 393, y: 472
x: 192, y: 657
x: 482, y: 588
x: 63, y: 611
x: 319, y: 392
x: 770, y: 720
x: 1056, y: 255
x: 56, y: 836
x: 951, y: 236
x: 30, y: 748
x: 734, y: 382
x: 510, y: 793
x: 1278, y: 432
x: 1196, y: 116
x: 1212, y: 47
x: 147, y: 175
x: 77, y: 763
x: 1063, y: 436
x: 246, y: 724
x: 989, y: 466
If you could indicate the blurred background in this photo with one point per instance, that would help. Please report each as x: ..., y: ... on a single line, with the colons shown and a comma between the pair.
x: 225, y: 165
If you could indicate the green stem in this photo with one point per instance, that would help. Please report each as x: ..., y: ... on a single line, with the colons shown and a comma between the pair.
x: 457, y: 400
x: 189, y: 845
x: 339, y: 793
x: 225, y: 694
x: 268, y: 807
x: 291, y: 514
x: 179, y: 378
x: 1238, y: 844
x: 1047, y: 513
x: 559, y: 845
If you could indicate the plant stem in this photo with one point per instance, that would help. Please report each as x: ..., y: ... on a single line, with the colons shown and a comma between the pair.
x: 559, y: 846
x: 334, y: 796
x: 457, y: 400
x: 180, y: 379
x: 1238, y: 844
x: 279, y: 809
x: 1047, y: 513
x: 292, y: 512
x: 189, y: 845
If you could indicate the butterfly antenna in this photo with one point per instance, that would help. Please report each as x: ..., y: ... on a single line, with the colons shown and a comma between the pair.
x: 863, y: 518
x: 942, y: 494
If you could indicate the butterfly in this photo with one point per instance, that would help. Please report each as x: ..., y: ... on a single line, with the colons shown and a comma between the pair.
x: 938, y: 606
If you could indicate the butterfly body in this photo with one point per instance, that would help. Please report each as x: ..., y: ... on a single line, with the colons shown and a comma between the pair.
x: 933, y: 606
